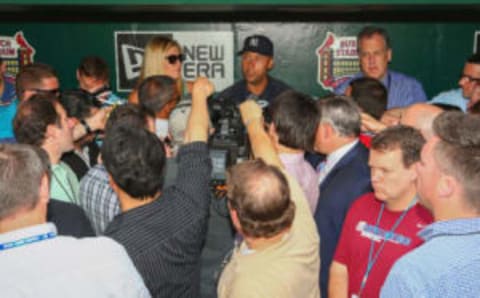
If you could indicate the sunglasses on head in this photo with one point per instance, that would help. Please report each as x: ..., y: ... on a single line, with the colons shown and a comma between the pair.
x: 172, y: 59
x: 55, y: 92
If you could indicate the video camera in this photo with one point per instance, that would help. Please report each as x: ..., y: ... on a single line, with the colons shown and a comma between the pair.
x: 229, y: 143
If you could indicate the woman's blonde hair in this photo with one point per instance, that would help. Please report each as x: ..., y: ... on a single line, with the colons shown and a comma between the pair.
x: 154, y: 57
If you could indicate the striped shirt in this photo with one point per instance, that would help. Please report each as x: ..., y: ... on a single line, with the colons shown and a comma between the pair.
x: 164, y: 238
x: 98, y: 199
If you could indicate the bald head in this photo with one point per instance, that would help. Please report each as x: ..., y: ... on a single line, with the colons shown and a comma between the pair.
x: 421, y: 116
x: 260, y: 195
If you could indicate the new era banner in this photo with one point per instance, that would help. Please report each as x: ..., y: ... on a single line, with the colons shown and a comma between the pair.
x: 209, y: 54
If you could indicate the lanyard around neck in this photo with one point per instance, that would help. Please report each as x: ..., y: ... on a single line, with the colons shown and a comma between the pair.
x: 27, y: 240
x: 373, y: 259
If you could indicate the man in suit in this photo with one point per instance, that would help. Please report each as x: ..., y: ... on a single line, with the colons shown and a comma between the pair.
x: 344, y: 175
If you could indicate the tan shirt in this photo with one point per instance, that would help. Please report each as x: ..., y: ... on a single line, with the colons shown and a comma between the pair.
x: 289, y: 268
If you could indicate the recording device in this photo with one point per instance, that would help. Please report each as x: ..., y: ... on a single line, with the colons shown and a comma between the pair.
x: 230, y: 136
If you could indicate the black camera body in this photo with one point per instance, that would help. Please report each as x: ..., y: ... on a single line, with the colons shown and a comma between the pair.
x: 229, y: 143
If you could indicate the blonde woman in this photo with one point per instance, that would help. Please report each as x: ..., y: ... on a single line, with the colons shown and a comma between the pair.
x: 163, y: 56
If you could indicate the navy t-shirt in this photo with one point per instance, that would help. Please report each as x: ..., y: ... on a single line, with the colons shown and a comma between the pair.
x: 238, y: 92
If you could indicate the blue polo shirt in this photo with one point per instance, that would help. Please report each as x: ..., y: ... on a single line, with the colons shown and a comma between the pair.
x: 446, y: 265
x: 8, y: 109
x: 238, y: 92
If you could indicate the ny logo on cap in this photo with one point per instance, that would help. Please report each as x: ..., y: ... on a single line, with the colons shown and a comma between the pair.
x: 254, y: 42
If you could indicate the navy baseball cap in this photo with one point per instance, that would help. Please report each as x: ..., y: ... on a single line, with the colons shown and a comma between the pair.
x: 258, y: 44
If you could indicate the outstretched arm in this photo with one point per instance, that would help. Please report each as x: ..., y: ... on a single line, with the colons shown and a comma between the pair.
x: 261, y: 144
x: 197, y: 126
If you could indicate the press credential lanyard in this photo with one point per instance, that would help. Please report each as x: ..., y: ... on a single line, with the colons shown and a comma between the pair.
x: 27, y: 240
x: 373, y: 259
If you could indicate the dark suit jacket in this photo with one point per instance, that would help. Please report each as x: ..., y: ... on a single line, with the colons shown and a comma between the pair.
x: 349, y: 179
x: 69, y: 219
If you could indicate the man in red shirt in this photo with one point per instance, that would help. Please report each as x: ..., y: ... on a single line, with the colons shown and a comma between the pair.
x: 381, y: 226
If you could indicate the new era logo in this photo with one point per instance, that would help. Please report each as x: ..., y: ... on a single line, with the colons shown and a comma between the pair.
x: 254, y: 42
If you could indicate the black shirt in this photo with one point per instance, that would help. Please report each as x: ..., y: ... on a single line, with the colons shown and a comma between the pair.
x: 77, y: 164
x: 165, y: 237
x: 69, y: 219
x: 238, y: 92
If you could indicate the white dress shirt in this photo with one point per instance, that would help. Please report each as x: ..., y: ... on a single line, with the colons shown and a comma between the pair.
x: 333, y: 158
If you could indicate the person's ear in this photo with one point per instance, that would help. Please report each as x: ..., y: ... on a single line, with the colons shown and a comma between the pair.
x: 446, y: 186
x: 235, y: 220
x: 112, y: 183
x: 44, y: 190
x: 389, y: 55
x: 271, y: 63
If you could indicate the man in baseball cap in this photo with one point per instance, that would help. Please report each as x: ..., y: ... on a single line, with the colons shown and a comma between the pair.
x: 257, y: 61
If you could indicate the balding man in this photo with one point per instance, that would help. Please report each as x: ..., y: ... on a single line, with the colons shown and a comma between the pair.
x: 278, y: 256
x: 421, y: 116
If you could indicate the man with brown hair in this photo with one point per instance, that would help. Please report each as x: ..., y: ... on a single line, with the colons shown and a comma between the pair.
x: 36, y: 78
x: 294, y: 122
x: 41, y: 79
x: 43, y: 122
x: 446, y: 265
x: 380, y: 226
x: 279, y: 255
x: 93, y: 77
x: 163, y: 229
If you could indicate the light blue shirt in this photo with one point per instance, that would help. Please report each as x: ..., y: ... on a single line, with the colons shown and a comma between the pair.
x: 453, y: 98
x: 402, y: 89
x: 446, y: 265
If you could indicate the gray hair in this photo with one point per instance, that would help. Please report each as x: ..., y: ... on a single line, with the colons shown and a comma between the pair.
x: 22, y: 168
x: 342, y: 113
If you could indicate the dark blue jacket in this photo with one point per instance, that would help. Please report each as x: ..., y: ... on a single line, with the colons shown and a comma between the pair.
x: 348, y: 180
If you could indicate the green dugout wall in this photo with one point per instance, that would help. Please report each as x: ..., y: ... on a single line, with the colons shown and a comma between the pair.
x: 430, y: 42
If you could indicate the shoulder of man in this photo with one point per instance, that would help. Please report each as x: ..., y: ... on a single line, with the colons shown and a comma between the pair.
x: 403, y: 278
x: 258, y: 286
x: 278, y: 83
x: 398, y: 77
x: 340, y: 89
x: 69, y: 219
x: 233, y: 90
x: 356, y: 157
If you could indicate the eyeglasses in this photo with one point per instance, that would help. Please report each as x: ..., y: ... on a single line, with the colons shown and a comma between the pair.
x: 469, y: 78
x: 172, y: 59
x: 54, y: 92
